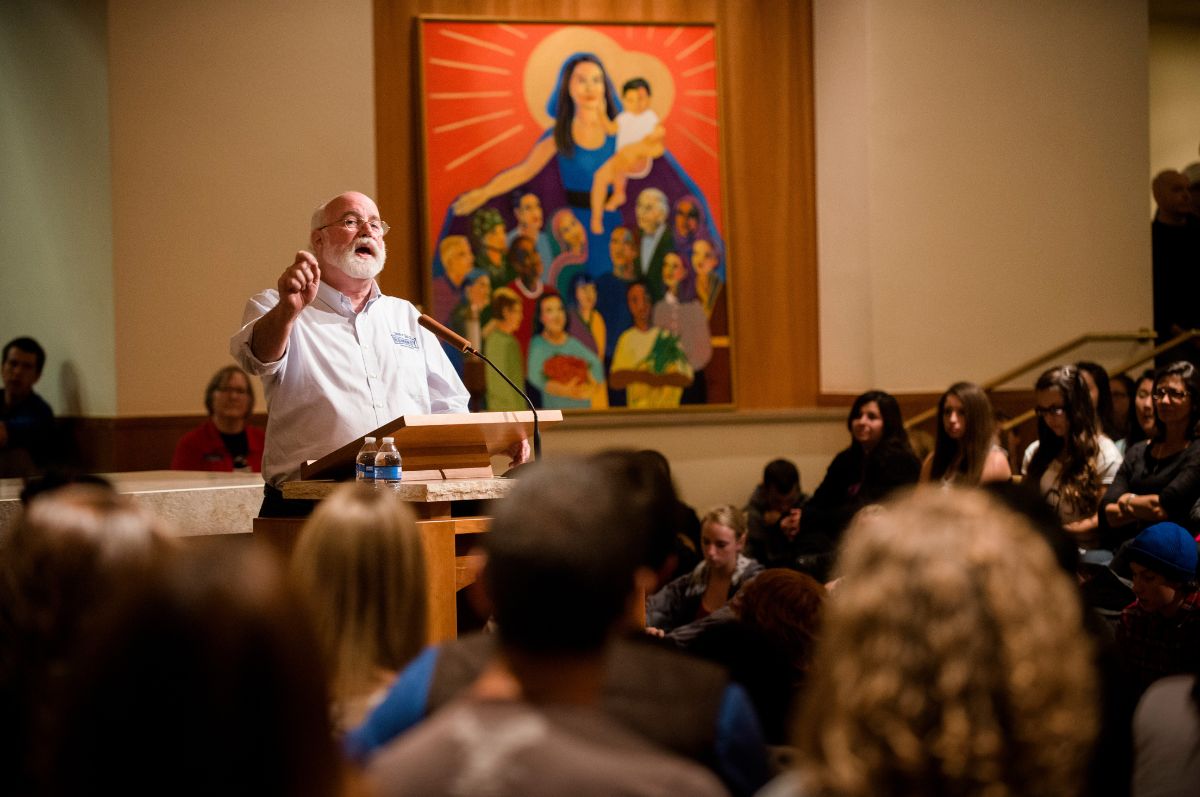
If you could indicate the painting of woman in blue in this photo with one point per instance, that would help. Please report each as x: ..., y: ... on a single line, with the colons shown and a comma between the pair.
x: 571, y: 144
x: 562, y: 164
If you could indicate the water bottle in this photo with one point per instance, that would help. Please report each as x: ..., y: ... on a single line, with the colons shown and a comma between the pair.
x: 364, y: 463
x: 387, y: 464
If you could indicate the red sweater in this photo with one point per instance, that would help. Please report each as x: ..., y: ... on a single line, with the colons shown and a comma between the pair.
x: 203, y: 449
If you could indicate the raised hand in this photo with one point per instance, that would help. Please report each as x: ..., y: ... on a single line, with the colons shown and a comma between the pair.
x: 298, y: 283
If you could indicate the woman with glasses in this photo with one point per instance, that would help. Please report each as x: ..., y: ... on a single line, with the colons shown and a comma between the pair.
x: 966, y: 453
x: 1071, y: 463
x: 1160, y: 477
x: 224, y: 442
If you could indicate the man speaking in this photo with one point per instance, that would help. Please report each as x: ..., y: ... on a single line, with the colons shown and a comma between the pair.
x: 337, y: 358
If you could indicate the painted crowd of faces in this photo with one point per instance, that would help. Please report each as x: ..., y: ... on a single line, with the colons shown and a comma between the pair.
x: 624, y: 306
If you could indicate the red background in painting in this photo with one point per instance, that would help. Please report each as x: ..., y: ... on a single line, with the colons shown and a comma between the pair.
x: 663, y: 41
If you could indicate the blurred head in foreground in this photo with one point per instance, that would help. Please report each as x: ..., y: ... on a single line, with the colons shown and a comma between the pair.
x: 952, y: 659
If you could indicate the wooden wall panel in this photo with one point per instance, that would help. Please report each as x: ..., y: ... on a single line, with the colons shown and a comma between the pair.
x: 765, y: 51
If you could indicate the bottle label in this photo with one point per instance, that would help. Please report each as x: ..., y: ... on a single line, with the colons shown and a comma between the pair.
x: 387, y: 473
x: 363, y: 472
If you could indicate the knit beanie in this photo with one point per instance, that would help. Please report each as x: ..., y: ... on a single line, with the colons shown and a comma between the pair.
x: 1166, y: 548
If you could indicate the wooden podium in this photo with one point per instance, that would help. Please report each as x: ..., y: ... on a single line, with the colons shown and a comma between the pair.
x: 447, y: 458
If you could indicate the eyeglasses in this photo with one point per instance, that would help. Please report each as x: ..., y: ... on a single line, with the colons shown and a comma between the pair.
x: 1050, y: 412
x: 353, y: 223
x: 1161, y: 393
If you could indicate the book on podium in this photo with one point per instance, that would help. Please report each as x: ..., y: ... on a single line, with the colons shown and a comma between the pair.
x: 442, y: 446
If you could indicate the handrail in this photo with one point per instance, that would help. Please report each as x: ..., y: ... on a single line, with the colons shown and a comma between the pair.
x: 1123, y: 367
x: 1054, y: 354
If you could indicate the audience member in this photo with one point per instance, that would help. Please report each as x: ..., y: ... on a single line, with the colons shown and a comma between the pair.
x: 952, y: 660
x: 360, y: 569
x: 714, y: 581
x: 1111, y: 762
x: 561, y: 562
x: 1175, y: 247
x: 62, y: 560
x: 773, y: 516
x: 1124, y: 420
x: 1160, y: 478
x: 1095, y: 378
x: 681, y: 703
x: 966, y: 453
x: 337, y: 357
x: 201, y: 678
x: 225, y: 441
x: 1071, y: 463
x: 1159, y: 634
x: 1143, y: 405
x: 26, y: 420
x: 684, y: 523
x: 1166, y: 735
x: 878, y: 460
x: 768, y: 643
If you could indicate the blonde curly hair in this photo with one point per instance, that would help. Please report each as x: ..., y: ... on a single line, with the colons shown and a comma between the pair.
x: 953, y: 659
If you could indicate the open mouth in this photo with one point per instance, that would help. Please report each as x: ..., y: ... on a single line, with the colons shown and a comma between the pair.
x: 364, y: 250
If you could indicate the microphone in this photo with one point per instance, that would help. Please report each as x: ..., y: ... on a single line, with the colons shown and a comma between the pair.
x: 459, y: 343
x: 448, y: 335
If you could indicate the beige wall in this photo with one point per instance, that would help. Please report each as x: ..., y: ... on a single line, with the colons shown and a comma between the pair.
x: 981, y: 177
x: 231, y: 121
x: 1174, y: 94
x: 55, y: 211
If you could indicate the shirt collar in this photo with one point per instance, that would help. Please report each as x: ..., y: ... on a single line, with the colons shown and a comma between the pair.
x: 338, y: 302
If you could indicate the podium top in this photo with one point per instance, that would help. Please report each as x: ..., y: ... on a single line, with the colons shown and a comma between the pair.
x: 447, y: 445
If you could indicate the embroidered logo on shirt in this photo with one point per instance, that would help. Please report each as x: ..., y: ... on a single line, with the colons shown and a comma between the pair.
x: 400, y: 339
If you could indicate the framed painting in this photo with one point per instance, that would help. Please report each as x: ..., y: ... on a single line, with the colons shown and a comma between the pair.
x: 572, y: 210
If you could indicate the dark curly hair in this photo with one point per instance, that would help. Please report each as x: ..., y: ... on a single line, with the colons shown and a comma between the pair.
x: 1079, y: 484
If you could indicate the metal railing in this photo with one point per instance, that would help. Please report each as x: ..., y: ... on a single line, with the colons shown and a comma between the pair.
x: 1057, y: 352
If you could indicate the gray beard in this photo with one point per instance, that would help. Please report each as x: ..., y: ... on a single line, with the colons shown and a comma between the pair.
x: 349, y: 263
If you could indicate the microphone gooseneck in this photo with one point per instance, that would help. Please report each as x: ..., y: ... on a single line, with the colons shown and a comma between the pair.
x: 459, y: 343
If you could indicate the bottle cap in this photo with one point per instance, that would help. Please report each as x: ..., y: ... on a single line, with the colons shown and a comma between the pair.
x: 389, y: 439
x: 368, y: 439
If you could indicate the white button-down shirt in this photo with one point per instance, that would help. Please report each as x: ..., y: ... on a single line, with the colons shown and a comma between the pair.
x: 344, y: 374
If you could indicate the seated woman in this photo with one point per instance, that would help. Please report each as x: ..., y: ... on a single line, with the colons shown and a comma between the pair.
x: 768, y: 643
x: 1160, y: 478
x: 965, y: 453
x: 1143, y: 408
x: 714, y: 581
x: 1095, y: 377
x: 1122, y: 388
x: 224, y: 442
x: 1070, y: 464
x: 878, y: 460
x: 361, y: 568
